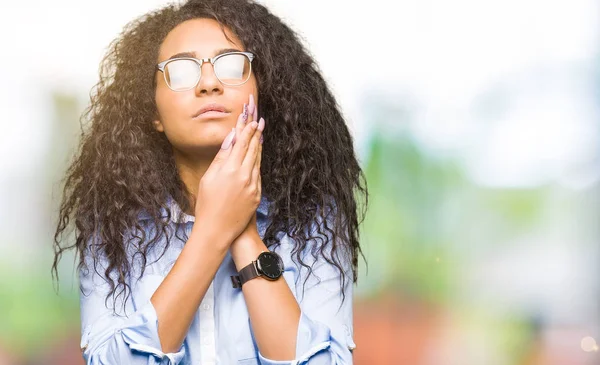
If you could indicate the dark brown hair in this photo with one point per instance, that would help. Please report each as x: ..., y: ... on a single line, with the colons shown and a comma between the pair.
x: 124, y: 167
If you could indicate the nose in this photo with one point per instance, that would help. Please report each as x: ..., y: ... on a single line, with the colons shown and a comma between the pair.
x: 209, y: 83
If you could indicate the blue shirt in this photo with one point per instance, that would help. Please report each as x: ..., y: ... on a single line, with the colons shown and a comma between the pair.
x: 220, y: 332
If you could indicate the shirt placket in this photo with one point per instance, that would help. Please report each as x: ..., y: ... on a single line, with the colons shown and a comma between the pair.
x: 208, y: 353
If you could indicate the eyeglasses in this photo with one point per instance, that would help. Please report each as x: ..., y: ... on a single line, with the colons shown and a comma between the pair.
x: 182, y: 74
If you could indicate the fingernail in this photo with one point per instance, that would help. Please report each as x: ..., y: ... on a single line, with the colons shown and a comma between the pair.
x: 255, y: 115
x: 245, y: 112
x: 262, y: 138
x: 251, y: 106
x: 228, y: 140
x: 261, y: 124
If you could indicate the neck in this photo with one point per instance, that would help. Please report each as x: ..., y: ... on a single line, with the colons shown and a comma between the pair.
x: 191, y: 169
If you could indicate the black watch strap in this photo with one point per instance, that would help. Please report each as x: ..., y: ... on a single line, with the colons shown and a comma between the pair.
x: 245, y: 274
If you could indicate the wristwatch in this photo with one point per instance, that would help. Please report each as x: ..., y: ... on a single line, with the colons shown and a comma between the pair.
x: 268, y: 265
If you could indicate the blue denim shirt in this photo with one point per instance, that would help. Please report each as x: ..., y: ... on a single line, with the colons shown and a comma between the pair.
x: 220, y: 332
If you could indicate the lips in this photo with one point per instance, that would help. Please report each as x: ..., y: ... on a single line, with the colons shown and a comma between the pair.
x: 212, y: 107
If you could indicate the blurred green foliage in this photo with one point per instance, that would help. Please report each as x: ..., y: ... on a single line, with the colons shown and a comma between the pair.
x: 406, y: 228
x: 33, y: 315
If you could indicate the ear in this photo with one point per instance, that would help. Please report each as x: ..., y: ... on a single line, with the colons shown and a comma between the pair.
x: 158, y: 125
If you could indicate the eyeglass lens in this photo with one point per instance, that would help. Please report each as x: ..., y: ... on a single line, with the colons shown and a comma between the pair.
x: 232, y: 69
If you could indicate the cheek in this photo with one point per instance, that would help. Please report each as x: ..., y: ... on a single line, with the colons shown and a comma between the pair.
x: 169, y: 105
x: 164, y: 103
x: 247, y: 89
x: 252, y: 87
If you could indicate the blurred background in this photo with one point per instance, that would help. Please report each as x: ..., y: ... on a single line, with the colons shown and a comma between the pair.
x: 476, y: 123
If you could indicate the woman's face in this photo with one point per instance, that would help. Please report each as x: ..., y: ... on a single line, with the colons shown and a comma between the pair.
x: 177, y: 110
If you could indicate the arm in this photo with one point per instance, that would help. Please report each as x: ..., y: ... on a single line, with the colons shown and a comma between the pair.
x: 273, y: 310
x: 227, y: 195
x: 178, y: 297
x: 317, y: 329
x: 227, y: 191
x: 137, y: 337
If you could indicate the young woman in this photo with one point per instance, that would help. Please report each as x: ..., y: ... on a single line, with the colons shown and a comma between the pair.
x: 198, y: 242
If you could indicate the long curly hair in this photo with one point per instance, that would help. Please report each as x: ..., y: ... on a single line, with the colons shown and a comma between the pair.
x: 124, y: 167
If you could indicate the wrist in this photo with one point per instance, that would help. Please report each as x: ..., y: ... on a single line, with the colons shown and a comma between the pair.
x: 246, y: 249
x: 204, y: 234
x: 267, y: 265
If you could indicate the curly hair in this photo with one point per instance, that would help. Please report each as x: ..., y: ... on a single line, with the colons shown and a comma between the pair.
x: 123, y: 166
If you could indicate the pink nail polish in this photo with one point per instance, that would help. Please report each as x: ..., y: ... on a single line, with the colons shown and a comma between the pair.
x: 262, y: 138
x: 228, y: 140
x: 245, y: 112
x: 261, y: 124
x: 251, y: 106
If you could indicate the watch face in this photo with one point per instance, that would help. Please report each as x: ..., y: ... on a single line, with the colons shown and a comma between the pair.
x: 270, y: 265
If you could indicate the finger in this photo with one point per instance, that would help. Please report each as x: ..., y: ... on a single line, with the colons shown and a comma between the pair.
x: 224, y: 152
x: 259, y: 182
x: 252, y: 109
x: 241, y: 122
x: 260, y: 149
x: 241, y: 146
x: 250, y: 158
x: 255, y: 115
x: 256, y: 170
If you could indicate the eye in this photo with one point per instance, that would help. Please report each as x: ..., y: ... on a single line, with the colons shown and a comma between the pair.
x: 232, y: 68
x: 181, y: 74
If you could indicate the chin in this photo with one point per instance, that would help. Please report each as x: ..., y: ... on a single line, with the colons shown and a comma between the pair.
x: 217, y: 140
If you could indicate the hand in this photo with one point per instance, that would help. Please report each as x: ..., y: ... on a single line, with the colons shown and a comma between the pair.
x: 252, y: 115
x: 249, y: 236
x: 229, y: 192
x: 251, y: 230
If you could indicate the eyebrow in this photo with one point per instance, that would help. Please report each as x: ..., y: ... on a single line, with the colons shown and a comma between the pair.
x: 193, y: 54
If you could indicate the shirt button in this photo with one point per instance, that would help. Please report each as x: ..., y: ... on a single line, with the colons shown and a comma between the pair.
x: 206, y: 306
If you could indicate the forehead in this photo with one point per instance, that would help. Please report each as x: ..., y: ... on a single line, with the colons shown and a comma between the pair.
x: 201, y: 36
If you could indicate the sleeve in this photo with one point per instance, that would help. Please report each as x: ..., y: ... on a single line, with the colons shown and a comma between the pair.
x: 325, y: 329
x: 109, y: 338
